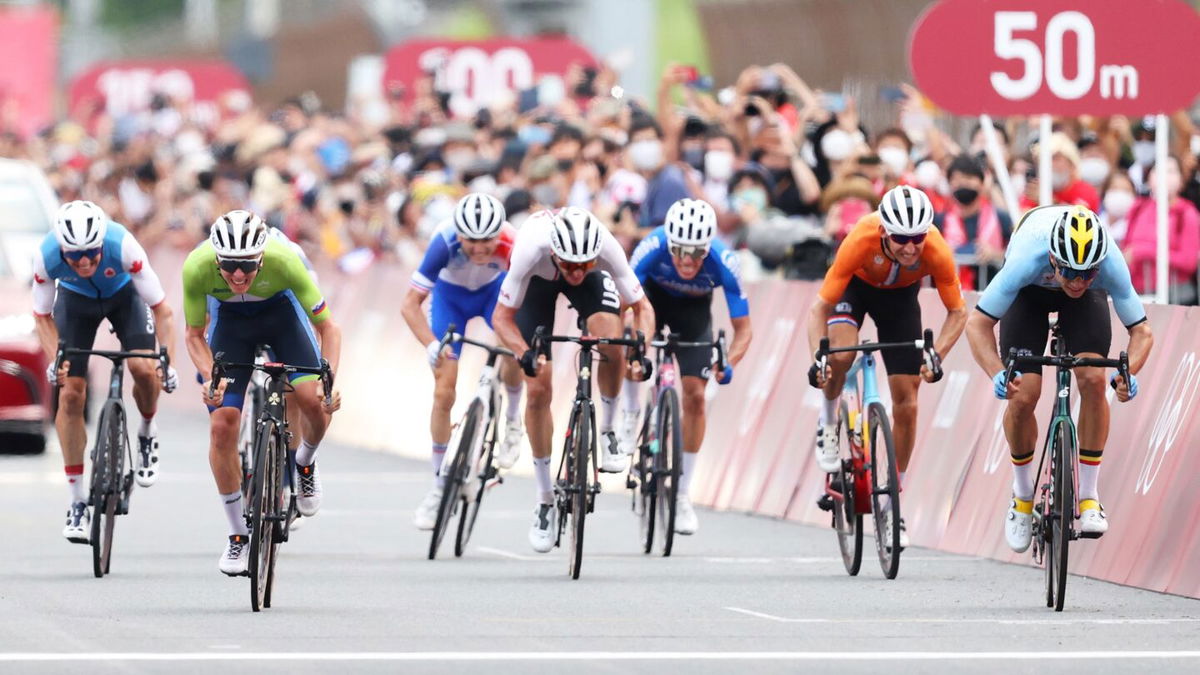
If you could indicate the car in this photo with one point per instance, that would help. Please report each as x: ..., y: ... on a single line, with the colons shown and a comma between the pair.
x: 27, y: 208
x: 25, y: 407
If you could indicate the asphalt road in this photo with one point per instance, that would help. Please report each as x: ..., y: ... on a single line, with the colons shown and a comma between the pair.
x: 355, y: 591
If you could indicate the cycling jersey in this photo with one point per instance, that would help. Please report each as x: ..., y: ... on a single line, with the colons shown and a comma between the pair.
x: 861, y: 255
x: 122, y: 260
x: 651, y: 261
x: 531, y: 258
x: 445, y: 261
x: 1027, y: 263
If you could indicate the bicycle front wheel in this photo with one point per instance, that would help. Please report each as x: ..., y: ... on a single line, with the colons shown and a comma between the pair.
x: 246, y: 436
x: 106, y: 484
x: 646, y: 497
x: 479, y: 472
x: 847, y: 521
x: 454, y: 475
x: 581, y: 447
x: 885, y: 490
x: 1063, y: 518
x: 264, y: 500
x: 667, y: 463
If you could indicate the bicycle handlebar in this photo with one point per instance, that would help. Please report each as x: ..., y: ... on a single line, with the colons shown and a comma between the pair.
x: 1014, y: 359
x: 925, y: 344
x: 451, y: 337
x: 115, y: 356
x: 220, y: 365
x: 672, y: 341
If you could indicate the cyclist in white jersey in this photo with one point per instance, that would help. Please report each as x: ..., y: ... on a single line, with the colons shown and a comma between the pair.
x: 568, y: 252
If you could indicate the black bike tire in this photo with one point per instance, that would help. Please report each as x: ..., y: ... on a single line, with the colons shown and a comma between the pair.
x: 479, y: 471
x: 103, y: 489
x: 889, y: 556
x: 283, y: 505
x: 260, y: 530
x: 1064, y: 512
x: 254, y: 401
x: 847, y: 521
x: 669, y: 458
x: 452, y: 483
x: 647, y: 489
x: 582, y: 446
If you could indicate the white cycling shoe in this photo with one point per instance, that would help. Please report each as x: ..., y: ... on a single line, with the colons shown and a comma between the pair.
x: 544, y: 530
x: 627, y: 435
x: 612, y: 457
x: 78, y: 529
x: 887, y: 527
x: 426, y: 515
x: 1093, y: 522
x: 510, y: 446
x: 1018, y: 525
x: 308, y: 490
x: 147, y: 461
x: 685, y: 516
x: 827, y: 448
x: 235, y: 561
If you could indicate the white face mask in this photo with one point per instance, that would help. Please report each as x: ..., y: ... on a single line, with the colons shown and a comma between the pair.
x: 718, y: 164
x: 1117, y: 203
x: 457, y: 160
x: 1143, y: 152
x: 646, y: 155
x: 1093, y: 170
x: 1059, y: 180
x: 836, y: 145
x: 895, y: 159
x: 929, y: 175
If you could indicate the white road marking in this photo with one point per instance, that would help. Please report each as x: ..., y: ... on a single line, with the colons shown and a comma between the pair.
x: 1015, y: 622
x: 508, y: 554
x: 1098, y: 655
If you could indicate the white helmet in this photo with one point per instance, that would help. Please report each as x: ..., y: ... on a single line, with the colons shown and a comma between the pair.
x: 238, y: 234
x: 691, y: 222
x: 905, y: 210
x: 1078, y: 239
x: 576, y: 235
x: 478, y: 216
x: 80, y: 226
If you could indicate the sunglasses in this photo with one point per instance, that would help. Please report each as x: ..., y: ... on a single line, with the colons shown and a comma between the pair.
x: 576, y: 267
x: 1070, y: 274
x: 693, y: 252
x: 904, y: 239
x: 76, y: 256
x: 232, y: 265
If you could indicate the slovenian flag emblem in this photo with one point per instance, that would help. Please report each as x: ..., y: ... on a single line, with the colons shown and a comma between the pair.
x: 319, y: 307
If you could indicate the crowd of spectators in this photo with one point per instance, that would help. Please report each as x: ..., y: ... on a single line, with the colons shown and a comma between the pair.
x: 789, y: 169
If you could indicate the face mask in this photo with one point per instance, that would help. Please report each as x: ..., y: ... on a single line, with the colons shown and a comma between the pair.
x: 1060, y: 180
x: 457, y: 160
x: 718, y: 164
x: 755, y: 197
x: 966, y: 196
x: 1143, y: 152
x: 1018, y: 185
x: 694, y: 157
x: 1117, y: 203
x: 534, y: 134
x: 836, y: 145
x: 545, y: 194
x: 565, y: 165
x: 929, y: 175
x: 646, y: 155
x: 1093, y: 170
x: 895, y: 159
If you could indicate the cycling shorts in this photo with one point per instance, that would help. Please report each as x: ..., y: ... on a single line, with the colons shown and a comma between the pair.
x: 596, y: 293
x: 453, y: 304
x: 897, y: 316
x: 691, y: 319
x: 1084, y: 323
x: 78, y: 317
x: 279, y: 322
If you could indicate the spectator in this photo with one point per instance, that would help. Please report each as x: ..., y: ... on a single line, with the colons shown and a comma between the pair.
x: 1066, y: 185
x: 1183, y: 227
x: 971, y: 224
x: 664, y: 182
x: 1117, y: 199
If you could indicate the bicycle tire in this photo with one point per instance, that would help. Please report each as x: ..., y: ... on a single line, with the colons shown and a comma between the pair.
x: 284, y: 504
x: 647, y: 488
x: 106, y: 476
x: 262, y: 497
x: 582, y: 444
x: 453, y: 476
x: 847, y: 521
x: 1064, y: 508
x: 246, y: 436
x: 883, y: 467
x: 482, y: 471
x: 668, y: 460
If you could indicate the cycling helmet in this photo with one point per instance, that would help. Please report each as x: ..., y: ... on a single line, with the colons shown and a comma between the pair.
x: 239, y: 234
x: 478, y: 216
x: 691, y: 222
x: 905, y: 210
x: 80, y: 225
x: 1077, y: 239
x: 575, y: 237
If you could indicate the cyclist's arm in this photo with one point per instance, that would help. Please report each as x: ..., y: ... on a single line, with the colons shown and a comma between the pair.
x: 504, y: 323
x: 643, y: 316
x: 981, y: 336
x: 43, y: 306
x: 196, y: 278
x: 741, y: 339
x: 945, y: 278
x: 849, y: 258
x: 414, y: 316
x: 1141, y: 340
x: 137, y: 264
x: 331, y: 341
x: 818, y: 318
x: 198, y: 350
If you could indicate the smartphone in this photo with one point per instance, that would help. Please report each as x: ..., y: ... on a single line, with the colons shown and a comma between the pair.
x: 834, y: 103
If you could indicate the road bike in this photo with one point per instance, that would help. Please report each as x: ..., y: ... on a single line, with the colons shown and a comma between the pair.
x: 112, y: 459
x: 471, y: 470
x: 867, y: 481
x: 654, y: 475
x: 1056, y: 509
x: 272, y: 505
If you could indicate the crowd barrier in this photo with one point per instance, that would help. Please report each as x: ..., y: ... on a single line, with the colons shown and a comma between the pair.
x: 758, y: 454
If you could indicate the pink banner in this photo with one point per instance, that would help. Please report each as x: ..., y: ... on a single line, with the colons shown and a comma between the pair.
x: 28, y: 48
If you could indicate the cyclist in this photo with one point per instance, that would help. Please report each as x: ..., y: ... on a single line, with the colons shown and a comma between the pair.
x: 461, y: 273
x: 1058, y: 261
x: 679, y: 264
x: 878, y: 272
x: 265, y: 296
x: 567, y: 252
x: 102, y: 272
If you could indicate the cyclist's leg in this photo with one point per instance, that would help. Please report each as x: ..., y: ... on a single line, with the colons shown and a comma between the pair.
x: 445, y: 308
x: 897, y: 316
x: 510, y: 372
x: 229, y: 333
x: 598, y: 304
x: 1088, y: 332
x: 1025, y: 326
x: 843, y: 326
x: 538, y: 309
x: 77, y: 318
x: 134, y: 324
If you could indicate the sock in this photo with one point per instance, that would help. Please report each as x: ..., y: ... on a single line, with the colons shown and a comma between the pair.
x: 829, y: 411
x: 75, y: 482
x: 307, y: 453
x: 631, y: 397
x: 541, y: 470
x: 1022, y: 485
x: 608, y: 412
x: 901, y: 477
x: 685, y: 473
x: 1089, y: 473
x: 234, y: 513
x: 513, y: 411
x: 148, y: 428
x: 436, y: 457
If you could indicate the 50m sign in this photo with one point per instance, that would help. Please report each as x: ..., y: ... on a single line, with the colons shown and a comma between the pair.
x: 1057, y: 56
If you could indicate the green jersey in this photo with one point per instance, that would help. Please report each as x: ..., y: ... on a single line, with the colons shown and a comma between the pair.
x: 282, y: 272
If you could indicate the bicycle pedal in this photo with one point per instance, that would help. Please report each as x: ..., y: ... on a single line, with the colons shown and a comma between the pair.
x: 1089, y: 535
x: 825, y: 503
x: 630, y: 484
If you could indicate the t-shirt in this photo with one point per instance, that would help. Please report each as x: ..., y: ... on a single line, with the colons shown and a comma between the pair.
x: 652, y: 261
x: 122, y: 260
x: 666, y: 188
x: 446, y: 261
x: 861, y: 255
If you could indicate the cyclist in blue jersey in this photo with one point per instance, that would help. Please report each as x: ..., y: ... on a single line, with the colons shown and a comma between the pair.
x: 1058, y: 261
x: 102, y: 272
x: 461, y: 273
x: 679, y: 264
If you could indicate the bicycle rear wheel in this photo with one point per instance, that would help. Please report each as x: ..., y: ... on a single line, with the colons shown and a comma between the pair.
x: 581, y: 447
x: 264, y: 499
x: 666, y: 465
x: 1063, y: 518
x: 646, y: 497
x: 106, y: 484
x: 847, y: 521
x: 885, y: 490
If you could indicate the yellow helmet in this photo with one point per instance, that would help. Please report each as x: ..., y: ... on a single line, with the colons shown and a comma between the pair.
x: 1077, y: 239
